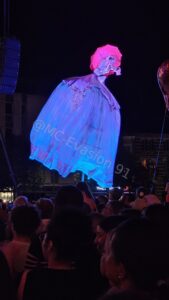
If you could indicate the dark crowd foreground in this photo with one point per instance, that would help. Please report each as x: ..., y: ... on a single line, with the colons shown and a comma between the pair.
x: 77, y: 246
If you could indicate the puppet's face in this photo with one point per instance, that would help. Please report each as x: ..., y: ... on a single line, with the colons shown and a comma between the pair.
x: 108, y: 66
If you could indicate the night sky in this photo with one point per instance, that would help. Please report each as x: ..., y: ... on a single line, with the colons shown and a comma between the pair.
x: 58, y: 37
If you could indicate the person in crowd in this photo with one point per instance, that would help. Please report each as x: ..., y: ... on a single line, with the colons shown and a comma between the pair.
x: 3, y: 212
x: 135, y: 257
x: 88, y: 198
x: 7, y: 289
x: 127, y: 295
x: 69, y: 195
x: 112, y: 208
x: 21, y: 200
x: 130, y: 213
x: 66, y: 248
x: 115, y: 194
x: 158, y: 214
x: 144, y: 199
x: 151, y: 198
x: 167, y: 191
x: 141, y: 201
x: 106, y: 225
x: 96, y: 218
x: 66, y: 196
x: 101, y: 201
x: 34, y: 255
x: 2, y: 232
x: 25, y: 220
x: 46, y: 208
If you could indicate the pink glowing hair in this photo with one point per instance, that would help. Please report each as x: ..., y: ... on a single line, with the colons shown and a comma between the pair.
x: 103, y: 52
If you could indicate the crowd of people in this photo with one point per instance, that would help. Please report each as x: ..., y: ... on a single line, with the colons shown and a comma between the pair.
x: 80, y: 246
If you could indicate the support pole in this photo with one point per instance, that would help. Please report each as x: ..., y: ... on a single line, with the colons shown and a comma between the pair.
x: 11, y: 173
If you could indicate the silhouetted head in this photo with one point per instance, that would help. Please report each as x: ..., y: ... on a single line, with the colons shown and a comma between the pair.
x: 69, y: 195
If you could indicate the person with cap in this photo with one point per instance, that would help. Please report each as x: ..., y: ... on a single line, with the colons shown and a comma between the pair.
x: 78, y: 128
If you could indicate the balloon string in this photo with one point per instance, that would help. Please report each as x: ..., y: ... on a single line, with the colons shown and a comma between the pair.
x: 159, y: 147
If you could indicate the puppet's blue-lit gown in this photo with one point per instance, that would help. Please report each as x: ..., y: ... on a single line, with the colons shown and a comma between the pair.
x: 78, y: 129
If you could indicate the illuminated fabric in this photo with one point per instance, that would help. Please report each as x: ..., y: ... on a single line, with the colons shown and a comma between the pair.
x: 78, y: 129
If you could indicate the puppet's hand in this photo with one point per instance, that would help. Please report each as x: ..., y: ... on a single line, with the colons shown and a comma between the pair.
x: 118, y: 71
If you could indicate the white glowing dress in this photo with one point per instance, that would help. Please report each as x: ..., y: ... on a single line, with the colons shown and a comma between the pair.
x: 78, y: 129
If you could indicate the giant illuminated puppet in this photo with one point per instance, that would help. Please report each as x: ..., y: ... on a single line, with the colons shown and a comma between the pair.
x: 78, y: 127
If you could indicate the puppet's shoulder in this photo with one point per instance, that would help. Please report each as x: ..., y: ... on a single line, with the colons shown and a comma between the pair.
x: 80, y: 83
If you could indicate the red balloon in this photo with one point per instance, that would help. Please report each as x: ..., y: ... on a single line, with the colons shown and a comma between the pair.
x: 163, y: 81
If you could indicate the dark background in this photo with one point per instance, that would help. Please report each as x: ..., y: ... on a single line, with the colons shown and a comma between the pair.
x: 58, y: 37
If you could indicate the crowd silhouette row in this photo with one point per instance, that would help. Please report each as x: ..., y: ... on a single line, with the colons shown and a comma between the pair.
x: 77, y: 246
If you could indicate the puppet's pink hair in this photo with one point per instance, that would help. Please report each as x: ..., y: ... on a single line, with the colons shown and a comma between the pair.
x: 103, y: 52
